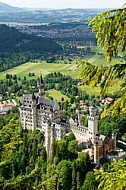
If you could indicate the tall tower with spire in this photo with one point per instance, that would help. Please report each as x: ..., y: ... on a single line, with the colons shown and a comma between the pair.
x: 92, y: 124
x: 40, y: 85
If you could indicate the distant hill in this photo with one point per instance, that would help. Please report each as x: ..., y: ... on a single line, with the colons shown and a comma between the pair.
x: 7, y: 8
x: 11, y: 40
x: 45, y: 15
x: 17, y: 48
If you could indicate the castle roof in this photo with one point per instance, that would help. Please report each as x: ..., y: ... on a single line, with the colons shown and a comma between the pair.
x: 47, y: 102
x: 28, y: 98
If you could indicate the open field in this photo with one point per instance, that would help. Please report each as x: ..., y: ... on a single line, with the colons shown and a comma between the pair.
x: 96, y: 90
x: 94, y: 58
x: 90, y: 90
x: 44, y: 68
x: 57, y: 95
x: 99, y: 59
x: 66, y: 69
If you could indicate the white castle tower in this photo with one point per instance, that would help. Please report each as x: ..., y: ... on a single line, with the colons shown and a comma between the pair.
x: 96, y: 153
x: 92, y: 124
x: 48, y: 138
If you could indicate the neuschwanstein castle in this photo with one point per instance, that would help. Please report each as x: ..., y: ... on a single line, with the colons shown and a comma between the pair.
x: 37, y: 112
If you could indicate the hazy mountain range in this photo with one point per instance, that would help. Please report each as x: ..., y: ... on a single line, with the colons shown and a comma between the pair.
x: 7, y: 8
x: 22, y: 15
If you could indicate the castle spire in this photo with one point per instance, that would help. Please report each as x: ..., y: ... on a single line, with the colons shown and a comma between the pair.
x: 40, y: 86
x: 33, y: 96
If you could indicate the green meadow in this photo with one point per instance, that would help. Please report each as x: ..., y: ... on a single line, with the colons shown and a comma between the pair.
x: 70, y: 69
x: 57, y: 95
x: 43, y: 68
x: 90, y: 90
x: 99, y: 59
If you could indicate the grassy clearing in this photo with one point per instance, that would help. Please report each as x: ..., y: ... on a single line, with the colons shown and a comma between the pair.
x: 102, y: 61
x: 44, y: 68
x: 94, y: 58
x: 96, y: 90
x: 57, y: 95
x: 90, y: 90
x: 96, y: 49
x: 70, y: 69
x: 99, y: 59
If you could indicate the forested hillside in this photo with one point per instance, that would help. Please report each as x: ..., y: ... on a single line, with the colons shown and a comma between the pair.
x: 11, y: 40
x: 17, y: 48
x: 24, y: 165
x: 23, y: 162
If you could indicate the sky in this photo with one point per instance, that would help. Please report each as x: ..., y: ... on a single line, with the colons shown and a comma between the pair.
x: 54, y: 4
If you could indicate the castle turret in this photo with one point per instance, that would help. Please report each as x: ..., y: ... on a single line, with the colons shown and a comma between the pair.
x: 40, y: 85
x: 92, y: 124
x: 96, y: 153
x: 48, y: 138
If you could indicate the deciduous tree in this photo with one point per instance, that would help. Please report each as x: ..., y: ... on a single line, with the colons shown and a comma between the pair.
x: 114, y: 177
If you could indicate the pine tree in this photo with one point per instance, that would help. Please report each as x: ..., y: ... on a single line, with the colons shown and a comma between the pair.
x: 111, y: 34
x: 112, y: 178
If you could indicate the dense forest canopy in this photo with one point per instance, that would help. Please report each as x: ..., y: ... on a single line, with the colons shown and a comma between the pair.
x: 24, y: 165
x: 23, y: 162
x: 17, y: 48
x: 11, y: 40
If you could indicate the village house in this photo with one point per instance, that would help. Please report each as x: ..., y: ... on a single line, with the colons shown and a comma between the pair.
x: 4, y: 107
